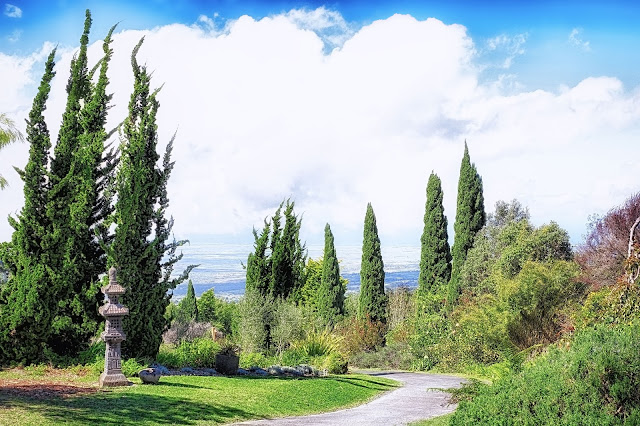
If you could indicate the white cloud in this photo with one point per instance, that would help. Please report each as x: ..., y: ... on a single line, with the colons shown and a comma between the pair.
x: 576, y: 40
x: 264, y: 112
x: 12, y: 11
x: 503, y: 49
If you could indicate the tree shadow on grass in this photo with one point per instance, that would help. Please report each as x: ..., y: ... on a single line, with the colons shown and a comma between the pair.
x: 365, y: 383
x: 106, y: 408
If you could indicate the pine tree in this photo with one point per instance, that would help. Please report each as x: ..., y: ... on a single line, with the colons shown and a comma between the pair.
x: 435, y: 258
x: 330, y: 298
x: 470, y: 218
x: 27, y: 300
x: 188, y: 307
x: 142, y: 231
x: 372, y: 301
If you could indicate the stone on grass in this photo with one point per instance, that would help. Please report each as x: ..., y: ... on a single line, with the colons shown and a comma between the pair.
x: 149, y: 376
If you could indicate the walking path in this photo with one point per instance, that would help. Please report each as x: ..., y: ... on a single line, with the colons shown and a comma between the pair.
x: 418, y: 399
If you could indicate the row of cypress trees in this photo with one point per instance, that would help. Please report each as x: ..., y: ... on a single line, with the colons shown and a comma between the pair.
x: 64, y: 237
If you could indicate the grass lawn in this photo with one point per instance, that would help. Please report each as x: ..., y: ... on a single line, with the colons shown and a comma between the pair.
x: 48, y: 396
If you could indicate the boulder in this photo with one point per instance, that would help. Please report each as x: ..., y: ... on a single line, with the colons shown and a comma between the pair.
x: 149, y: 376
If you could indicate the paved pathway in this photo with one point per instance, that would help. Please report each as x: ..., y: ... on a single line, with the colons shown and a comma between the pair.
x: 418, y: 399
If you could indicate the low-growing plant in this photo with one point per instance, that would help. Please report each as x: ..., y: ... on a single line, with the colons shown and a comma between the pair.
x: 395, y: 356
x: 593, y: 379
x: 131, y: 367
x: 198, y: 353
x: 360, y: 335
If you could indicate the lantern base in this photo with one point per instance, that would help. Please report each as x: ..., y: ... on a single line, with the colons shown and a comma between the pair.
x: 113, y: 379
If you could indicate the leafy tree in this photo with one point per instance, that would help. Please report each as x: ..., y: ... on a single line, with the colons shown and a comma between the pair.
x: 140, y: 242
x: 435, y: 258
x: 330, y: 299
x: 207, y: 306
x: 188, y: 307
x: 372, y: 302
x: 8, y: 134
x: 27, y: 300
x: 470, y: 218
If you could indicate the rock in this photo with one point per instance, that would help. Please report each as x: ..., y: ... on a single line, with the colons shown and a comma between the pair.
x: 186, y: 370
x: 149, y: 376
x: 209, y: 371
x: 306, y: 370
x: 161, y: 368
x: 242, y: 372
x: 275, y: 370
x: 260, y: 372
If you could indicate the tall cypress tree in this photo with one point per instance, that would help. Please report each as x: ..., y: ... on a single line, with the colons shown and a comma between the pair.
x: 258, y: 274
x: 435, y: 257
x: 27, y: 300
x: 470, y: 218
x: 188, y: 307
x: 78, y: 203
x: 287, y: 255
x: 372, y: 302
x: 330, y: 299
x: 140, y: 241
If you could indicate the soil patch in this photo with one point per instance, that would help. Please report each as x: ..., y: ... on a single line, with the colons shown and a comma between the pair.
x: 41, y: 390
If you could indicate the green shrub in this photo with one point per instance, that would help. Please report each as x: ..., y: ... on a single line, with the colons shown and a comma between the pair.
x: 131, y: 367
x: 595, y: 379
x: 198, y: 353
x: 360, y: 335
x: 255, y: 359
x: 396, y: 356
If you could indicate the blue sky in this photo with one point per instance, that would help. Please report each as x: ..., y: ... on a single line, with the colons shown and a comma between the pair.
x: 608, y: 31
x: 356, y: 105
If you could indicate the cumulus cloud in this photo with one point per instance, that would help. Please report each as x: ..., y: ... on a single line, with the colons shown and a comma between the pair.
x: 12, y: 11
x: 576, y: 40
x: 264, y: 112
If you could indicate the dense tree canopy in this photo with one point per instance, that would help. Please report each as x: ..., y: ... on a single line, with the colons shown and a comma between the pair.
x: 330, y: 298
x: 372, y: 301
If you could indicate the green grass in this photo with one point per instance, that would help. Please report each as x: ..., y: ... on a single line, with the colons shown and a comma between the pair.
x: 434, y: 421
x: 186, y: 400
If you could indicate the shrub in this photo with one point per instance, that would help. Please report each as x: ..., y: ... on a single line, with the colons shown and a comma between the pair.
x: 395, y: 356
x: 360, y: 335
x: 198, y: 353
x: 595, y: 379
x: 181, y: 331
x: 255, y: 359
x: 287, y: 324
x: 131, y: 367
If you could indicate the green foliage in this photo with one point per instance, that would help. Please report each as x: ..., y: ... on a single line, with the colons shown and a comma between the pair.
x: 435, y: 257
x: 594, y: 380
x: 279, y: 271
x: 220, y: 313
x: 330, y: 297
x: 373, y: 301
x: 255, y: 317
x: 140, y: 244
x: 27, y: 300
x: 394, y: 356
x: 131, y: 367
x: 8, y: 134
x: 470, y: 218
x: 320, y: 350
x: 188, y: 307
x: 197, y: 353
x: 287, y: 324
x: 614, y: 305
x: 360, y: 335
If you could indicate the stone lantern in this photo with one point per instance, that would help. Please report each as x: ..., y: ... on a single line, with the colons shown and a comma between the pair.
x: 113, y: 335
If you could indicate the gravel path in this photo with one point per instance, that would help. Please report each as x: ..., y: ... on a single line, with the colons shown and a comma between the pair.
x: 418, y: 399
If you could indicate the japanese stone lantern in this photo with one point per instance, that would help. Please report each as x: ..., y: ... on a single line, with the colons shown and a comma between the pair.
x: 113, y: 335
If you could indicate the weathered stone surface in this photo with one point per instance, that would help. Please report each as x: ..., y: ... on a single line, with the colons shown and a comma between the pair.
x: 227, y: 364
x: 149, y: 376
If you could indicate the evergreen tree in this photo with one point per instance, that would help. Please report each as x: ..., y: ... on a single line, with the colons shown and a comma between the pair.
x: 372, y: 302
x: 470, y: 218
x: 435, y: 257
x: 258, y: 262
x: 188, y: 307
x: 140, y: 241
x: 27, y: 300
x: 77, y: 203
x: 330, y: 299
x: 287, y: 256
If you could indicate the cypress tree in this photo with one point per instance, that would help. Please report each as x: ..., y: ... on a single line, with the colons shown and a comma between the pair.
x: 27, y: 300
x: 188, y: 307
x: 330, y: 299
x: 258, y: 262
x: 435, y: 257
x: 140, y: 240
x: 287, y: 255
x: 78, y: 202
x: 470, y: 218
x: 372, y: 302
